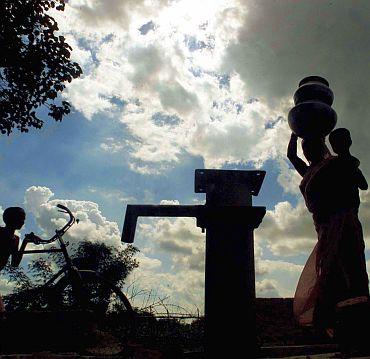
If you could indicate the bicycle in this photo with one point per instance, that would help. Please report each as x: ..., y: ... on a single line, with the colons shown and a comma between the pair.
x: 72, y: 288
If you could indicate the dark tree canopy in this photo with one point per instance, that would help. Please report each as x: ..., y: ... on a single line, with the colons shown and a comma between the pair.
x: 34, y: 64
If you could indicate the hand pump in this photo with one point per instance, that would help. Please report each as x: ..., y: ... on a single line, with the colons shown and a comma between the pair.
x: 229, y: 219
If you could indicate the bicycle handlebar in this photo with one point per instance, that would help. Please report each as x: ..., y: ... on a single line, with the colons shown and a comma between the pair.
x: 63, y: 207
x: 58, y: 232
x: 66, y: 210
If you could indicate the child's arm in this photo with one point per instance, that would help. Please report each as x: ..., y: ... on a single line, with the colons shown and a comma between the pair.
x: 17, y: 254
x: 3, y: 261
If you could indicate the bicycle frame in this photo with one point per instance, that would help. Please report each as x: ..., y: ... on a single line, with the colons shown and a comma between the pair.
x: 72, y: 275
x: 59, y: 238
x: 55, y: 276
x: 68, y: 270
x: 64, y: 271
x: 57, y: 286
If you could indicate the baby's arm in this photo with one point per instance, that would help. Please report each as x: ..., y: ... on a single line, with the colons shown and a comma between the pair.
x: 351, y: 167
x: 361, y: 180
x: 359, y: 177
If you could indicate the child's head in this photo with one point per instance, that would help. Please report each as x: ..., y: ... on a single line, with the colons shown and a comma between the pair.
x: 340, y: 140
x: 14, y: 217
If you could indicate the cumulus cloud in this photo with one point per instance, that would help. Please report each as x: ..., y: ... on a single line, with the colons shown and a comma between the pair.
x: 181, y: 245
x: 93, y: 226
x: 111, y: 145
x: 170, y: 202
x: 175, y: 292
x: 216, y: 83
x: 1, y: 216
x: 6, y: 287
x: 226, y: 72
x: 181, y: 241
x: 288, y: 178
x: 103, y: 13
x: 173, y: 70
x: 147, y: 62
x: 183, y: 285
x: 288, y: 230
x: 267, y: 289
x: 172, y: 257
x: 364, y: 215
x: 176, y: 97
x: 281, y: 42
x: 284, y: 274
x: 180, y: 238
x: 112, y: 195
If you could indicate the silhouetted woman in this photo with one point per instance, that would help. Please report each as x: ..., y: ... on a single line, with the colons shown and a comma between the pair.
x: 335, y: 273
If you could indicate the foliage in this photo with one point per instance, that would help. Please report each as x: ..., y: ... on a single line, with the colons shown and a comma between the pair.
x: 25, y: 295
x: 34, y: 64
x: 112, y: 263
x: 170, y: 333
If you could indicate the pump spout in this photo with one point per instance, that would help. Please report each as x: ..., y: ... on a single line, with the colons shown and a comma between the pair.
x: 133, y: 211
x: 129, y: 226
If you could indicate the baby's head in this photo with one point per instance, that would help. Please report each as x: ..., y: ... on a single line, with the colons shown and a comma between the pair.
x: 340, y: 140
x: 14, y: 217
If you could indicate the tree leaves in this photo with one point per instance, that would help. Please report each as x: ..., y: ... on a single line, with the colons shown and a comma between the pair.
x: 34, y: 64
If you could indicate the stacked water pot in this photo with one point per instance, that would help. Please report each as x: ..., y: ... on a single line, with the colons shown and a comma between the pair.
x: 312, y: 115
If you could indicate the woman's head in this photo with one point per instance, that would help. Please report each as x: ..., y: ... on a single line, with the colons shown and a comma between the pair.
x: 314, y: 149
x: 14, y: 217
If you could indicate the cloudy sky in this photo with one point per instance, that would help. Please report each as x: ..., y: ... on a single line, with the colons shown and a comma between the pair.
x: 170, y: 86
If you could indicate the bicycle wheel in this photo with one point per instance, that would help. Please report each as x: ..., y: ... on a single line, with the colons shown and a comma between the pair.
x: 107, y: 304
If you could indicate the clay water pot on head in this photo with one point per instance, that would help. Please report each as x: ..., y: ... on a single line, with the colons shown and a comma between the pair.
x: 312, y: 115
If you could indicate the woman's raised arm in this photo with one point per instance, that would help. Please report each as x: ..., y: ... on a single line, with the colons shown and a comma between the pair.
x: 298, y: 163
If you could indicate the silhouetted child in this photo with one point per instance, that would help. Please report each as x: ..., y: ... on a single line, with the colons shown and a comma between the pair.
x: 14, y: 218
x: 340, y: 141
